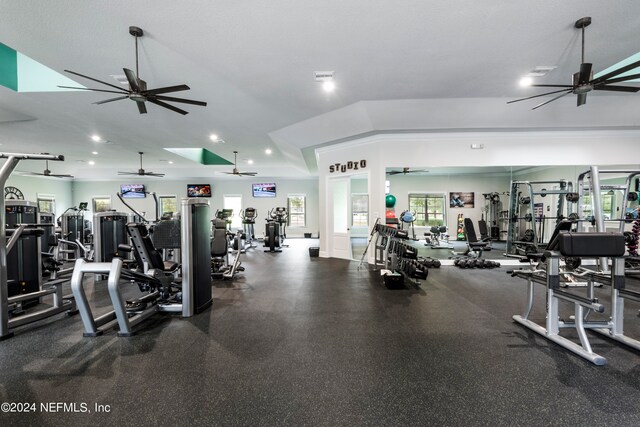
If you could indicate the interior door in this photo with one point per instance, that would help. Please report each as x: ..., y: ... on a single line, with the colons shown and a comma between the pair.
x: 339, y: 197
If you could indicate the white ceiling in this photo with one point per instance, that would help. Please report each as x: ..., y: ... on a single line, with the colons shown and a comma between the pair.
x: 253, y: 62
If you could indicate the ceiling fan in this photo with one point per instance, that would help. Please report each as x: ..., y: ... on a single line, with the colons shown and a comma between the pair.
x: 583, y: 81
x: 141, y: 172
x: 138, y: 91
x: 405, y: 171
x: 235, y: 168
x: 48, y: 173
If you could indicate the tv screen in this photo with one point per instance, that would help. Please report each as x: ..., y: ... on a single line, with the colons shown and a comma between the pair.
x: 198, y: 190
x: 132, y: 191
x: 264, y: 190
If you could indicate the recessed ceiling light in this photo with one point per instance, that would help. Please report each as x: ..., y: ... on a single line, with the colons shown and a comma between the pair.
x: 96, y: 138
x: 329, y: 86
x: 91, y: 162
x: 268, y: 151
x: 250, y: 161
x: 477, y: 146
x: 170, y: 162
x: 526, y: 81
x: 213, y: 137
x: 95, y: 153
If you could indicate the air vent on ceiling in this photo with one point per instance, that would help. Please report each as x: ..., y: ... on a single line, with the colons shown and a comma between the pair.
x: 322, y: 76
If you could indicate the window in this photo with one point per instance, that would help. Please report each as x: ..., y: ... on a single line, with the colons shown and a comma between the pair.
x: 429, y: 209
x: 296, y: 205
x: 47, y: 203
x: 168, y: 204
x: 359, y: 210
x: 101, y: 204
x: 234, y: 202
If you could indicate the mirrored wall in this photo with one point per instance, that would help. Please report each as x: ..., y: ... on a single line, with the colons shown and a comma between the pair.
x: 439, y: 199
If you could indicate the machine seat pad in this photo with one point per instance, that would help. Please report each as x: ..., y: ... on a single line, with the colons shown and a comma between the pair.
x: 591, y: 244
x: 170, y: 266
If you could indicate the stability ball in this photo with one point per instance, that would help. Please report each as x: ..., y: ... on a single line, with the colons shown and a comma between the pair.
x: 390, y: 200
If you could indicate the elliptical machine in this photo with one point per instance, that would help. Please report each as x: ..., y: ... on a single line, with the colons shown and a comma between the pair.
x: 249, y: 216
x: 275, y: 231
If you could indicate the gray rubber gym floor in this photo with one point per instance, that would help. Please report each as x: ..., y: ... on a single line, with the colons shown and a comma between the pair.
x: 300, y: 341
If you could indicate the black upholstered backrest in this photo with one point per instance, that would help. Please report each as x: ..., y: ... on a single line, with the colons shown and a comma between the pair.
x: 470, y: 231
x: 482, y: 228
x: 219, y: 245
x: 144, y: 251
x: 563, y: 225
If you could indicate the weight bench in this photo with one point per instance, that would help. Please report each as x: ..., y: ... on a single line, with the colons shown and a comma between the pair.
x: 582, y: 245
x: 484, y: 234
x: 475, y: 247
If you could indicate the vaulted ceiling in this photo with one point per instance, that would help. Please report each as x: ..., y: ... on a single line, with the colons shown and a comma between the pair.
x: 404, y: 66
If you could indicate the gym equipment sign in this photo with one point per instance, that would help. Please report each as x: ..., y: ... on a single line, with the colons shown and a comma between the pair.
x: 343, y: 167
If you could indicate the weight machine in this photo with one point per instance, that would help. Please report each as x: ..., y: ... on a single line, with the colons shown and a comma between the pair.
x: 61, y: 303
x: 526, y: 229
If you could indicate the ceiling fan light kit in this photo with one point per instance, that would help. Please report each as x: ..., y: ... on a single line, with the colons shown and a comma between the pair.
x: 583, y: 81
x: 138, y: 91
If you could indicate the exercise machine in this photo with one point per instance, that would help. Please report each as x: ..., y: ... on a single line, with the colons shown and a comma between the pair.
x: 60, y: 303
x: 437, y: 237
x: 586, y: 306
x: 275, y: 232
x: 75, y: 227
x: 408, y: 217
x: 220, y: 265
x: 491, y: 214
x: 249, y: 216
x: 526, y: 206
x: 110, y: 232
x: 156, y: 278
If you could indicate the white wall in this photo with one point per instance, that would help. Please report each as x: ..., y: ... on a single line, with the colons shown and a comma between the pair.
x: 84, y: 191
x: 402, y: 185
x: 32, y: 186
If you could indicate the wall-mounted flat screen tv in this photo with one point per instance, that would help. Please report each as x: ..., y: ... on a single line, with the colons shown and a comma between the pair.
x: 198, y: 190
x: 264, y: 190
x: 132, y: 191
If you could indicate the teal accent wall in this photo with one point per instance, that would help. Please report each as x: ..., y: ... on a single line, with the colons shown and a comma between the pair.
x: 8, y: 67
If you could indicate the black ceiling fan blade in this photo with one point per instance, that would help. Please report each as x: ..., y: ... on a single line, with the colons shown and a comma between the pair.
x: 631, y: 89
x: 537, y: 96
x: 91, y: 78
x: 122, y: 91
x: 159, y: 175
x: 167, y: 106
x: 393, y: 172
x: 127, y: 173
x: 582, y: 99
x: 248, y: 173
x: 620, y: 79
x: 141, y: 107
x: 111, y: 100
x: 616, y: 72
x: 551, y: 100
x: 166, y: 89
x: 585, y: 73
x: 185, y: 101
x: 132, y: 79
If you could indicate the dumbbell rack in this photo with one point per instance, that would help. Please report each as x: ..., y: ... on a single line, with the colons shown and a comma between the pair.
x: 392, y: 254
